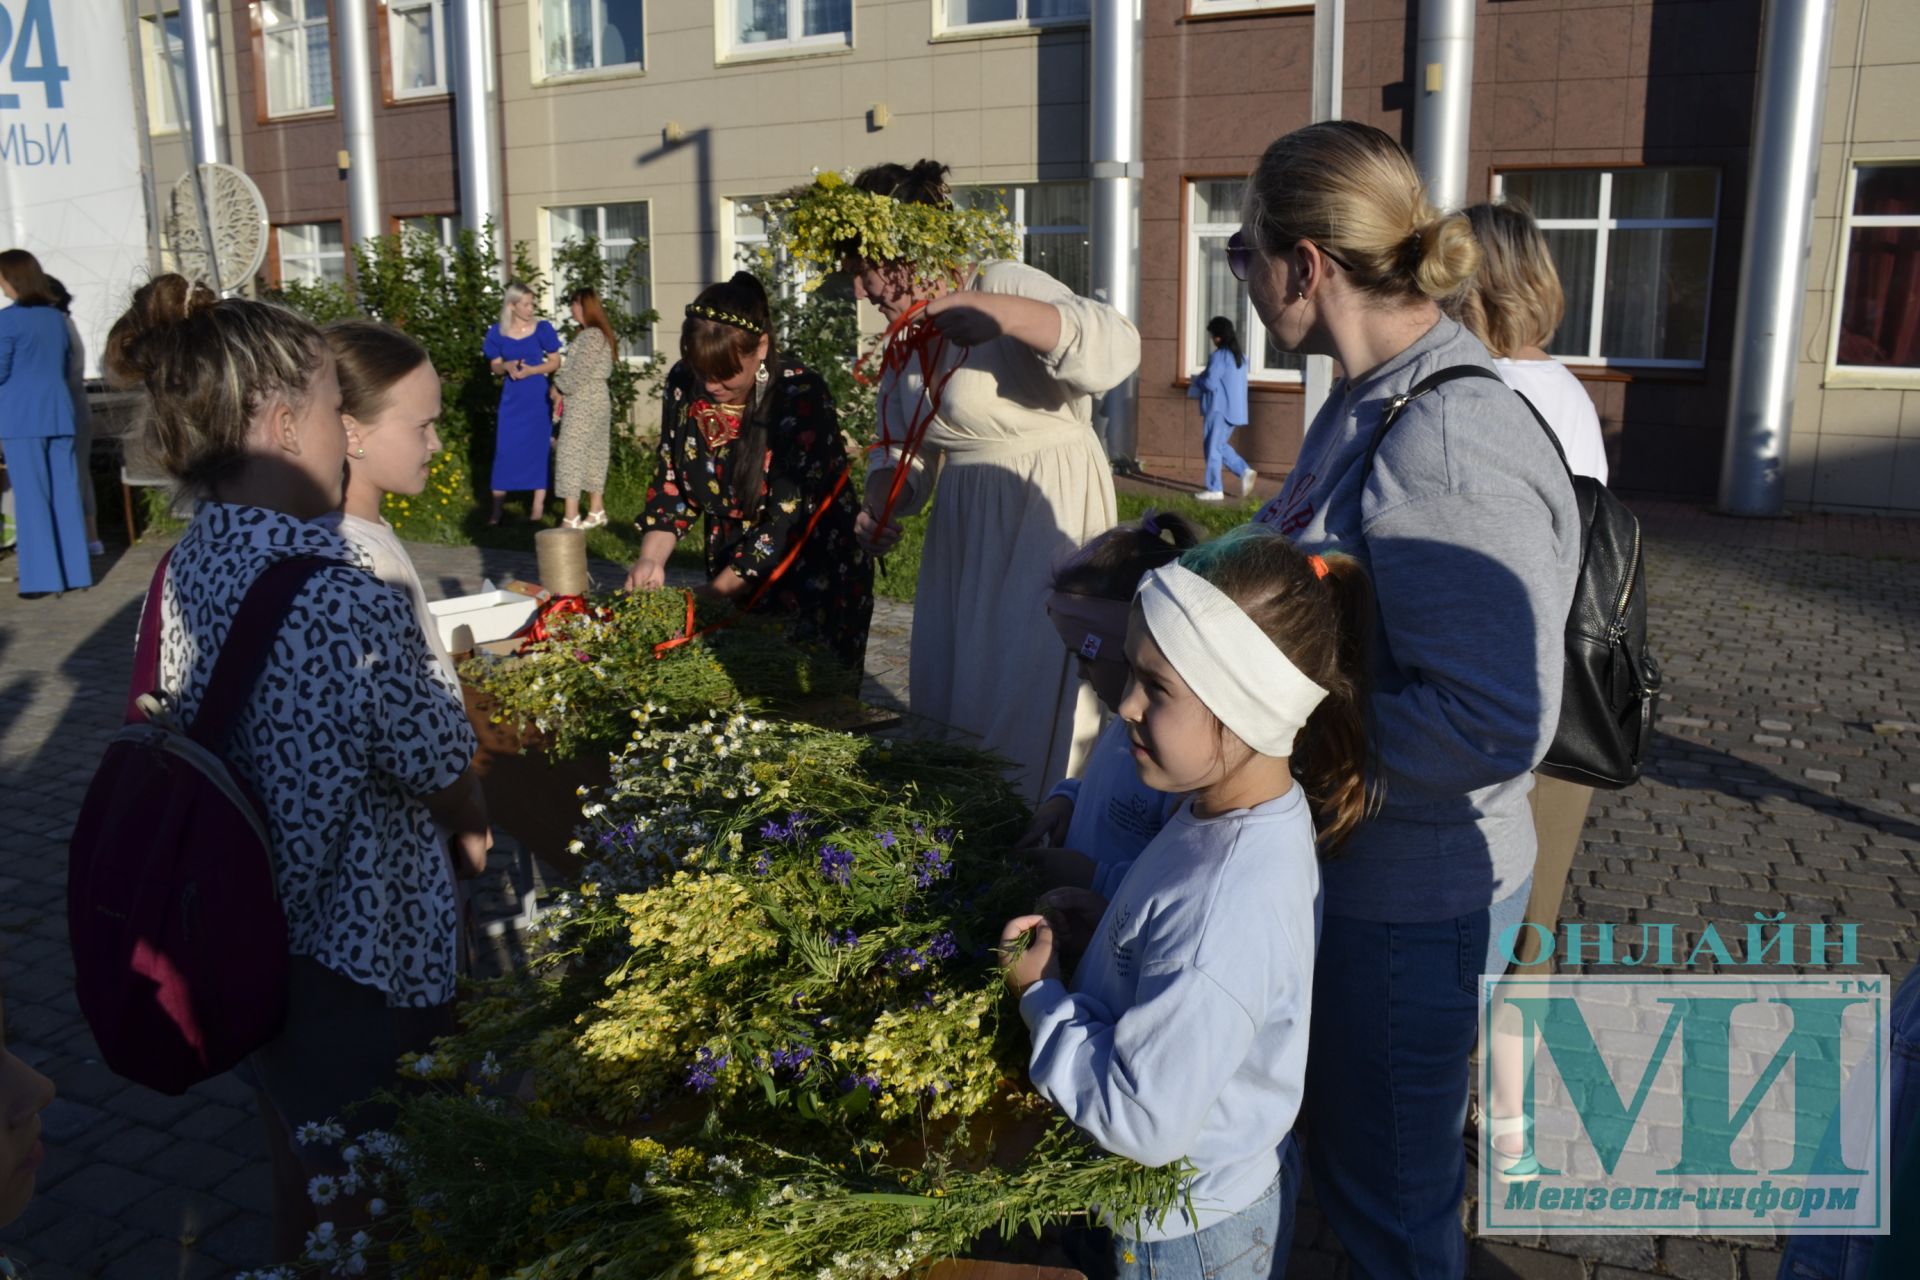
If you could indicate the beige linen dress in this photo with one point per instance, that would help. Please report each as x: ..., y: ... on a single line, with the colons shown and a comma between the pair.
x: 1023, y: 481
x: 580, y: 462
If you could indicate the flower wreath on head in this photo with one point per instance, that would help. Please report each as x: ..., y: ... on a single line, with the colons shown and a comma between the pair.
x: 810, y: 224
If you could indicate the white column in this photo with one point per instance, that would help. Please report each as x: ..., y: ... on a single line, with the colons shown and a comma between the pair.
x: 201, y: 38
x: 476, y: 116
x: 1443, y: 98
x: 1773, y: 255
x: 364, y: 218
x: 1117, y: 170
x: 1329, y: 54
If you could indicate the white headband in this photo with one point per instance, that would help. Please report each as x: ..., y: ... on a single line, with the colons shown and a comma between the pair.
x: 1227, y: 660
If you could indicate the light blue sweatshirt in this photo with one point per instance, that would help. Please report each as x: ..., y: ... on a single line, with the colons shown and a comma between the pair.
x: 1469, y: 530
x: 1221, y: 389
x: 1185, y: 1033
x: 1114, y: 813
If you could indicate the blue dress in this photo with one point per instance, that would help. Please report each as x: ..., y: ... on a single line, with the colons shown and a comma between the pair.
x: 36, y: 435
x: 523, y: 443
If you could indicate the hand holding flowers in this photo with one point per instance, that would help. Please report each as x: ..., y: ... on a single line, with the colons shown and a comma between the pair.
x: 1026, y: 952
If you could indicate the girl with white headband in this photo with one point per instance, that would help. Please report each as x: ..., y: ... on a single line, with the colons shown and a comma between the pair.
x: 1184, y: 1031
x: 1089, y: 828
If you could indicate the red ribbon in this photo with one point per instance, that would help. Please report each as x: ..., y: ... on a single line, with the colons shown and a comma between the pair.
x: 553, y: 609
x: 911, y: 339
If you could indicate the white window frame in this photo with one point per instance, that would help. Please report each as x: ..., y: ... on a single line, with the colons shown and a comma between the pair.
x: 1207, y: 8
x: 730, y: 49
x: 542, y: 74
x: 446, y: 228
x: 157, y: 68
x: 314, y: 271
x: 1017, y: 209
x: 1605, y: 225
x: 1253, y: 334
x: 549, y: 243
x: 945, y: 30
x: 305, y: 26
x: 441, y: 87
x: 1863, y: 375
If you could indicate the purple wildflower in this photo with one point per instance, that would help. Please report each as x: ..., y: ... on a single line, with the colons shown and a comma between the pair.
x: 942, y: 946
x: 793, y: 1059
x: 772, y: 830
x: 887, y: 839
x: 904, y: 960
x: 844, y: 938
x: 705, y: 1069
x: 863, y: 1081
x: 836, y: 864
x: 944, y: 835
x: 933, y: 866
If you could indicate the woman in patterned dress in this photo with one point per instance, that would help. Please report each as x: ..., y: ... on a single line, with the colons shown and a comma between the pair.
x: 750, y: 441
x: 586, y: 418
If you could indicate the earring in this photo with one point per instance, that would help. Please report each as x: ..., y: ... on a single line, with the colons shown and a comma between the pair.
x: 361, y: 452
x: 760, y: 374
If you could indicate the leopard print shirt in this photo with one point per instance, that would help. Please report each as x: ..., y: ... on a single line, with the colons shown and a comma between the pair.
x: 353, y: 723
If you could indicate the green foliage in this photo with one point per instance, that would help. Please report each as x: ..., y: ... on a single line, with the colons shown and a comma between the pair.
x: 812, y: 226
x: 579, y: 263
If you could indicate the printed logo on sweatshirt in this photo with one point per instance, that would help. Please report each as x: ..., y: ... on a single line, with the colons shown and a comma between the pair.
x: 1292, y: 510
x: 1131, y: 815
x: 1117, y: 921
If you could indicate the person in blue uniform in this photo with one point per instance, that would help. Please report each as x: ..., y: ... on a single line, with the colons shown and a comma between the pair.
x: 523, y: 349
x: 1221, y: 389
x: 36, y: 432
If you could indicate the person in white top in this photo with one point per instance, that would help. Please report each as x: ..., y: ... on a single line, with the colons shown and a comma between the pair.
x: 389, y: 404
x: 1513, y: 304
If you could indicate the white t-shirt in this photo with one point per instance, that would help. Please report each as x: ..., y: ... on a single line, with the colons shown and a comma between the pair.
x: 392, y: 565
x: 1565, y: 404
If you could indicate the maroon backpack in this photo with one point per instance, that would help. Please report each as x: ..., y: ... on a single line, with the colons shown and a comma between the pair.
x: 179, y: 942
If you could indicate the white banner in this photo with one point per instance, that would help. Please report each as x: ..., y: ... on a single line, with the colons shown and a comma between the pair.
x: 70, y: 186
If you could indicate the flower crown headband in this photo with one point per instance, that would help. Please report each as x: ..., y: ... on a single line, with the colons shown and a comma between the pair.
x: 810, y: 226
x: 696, y: 311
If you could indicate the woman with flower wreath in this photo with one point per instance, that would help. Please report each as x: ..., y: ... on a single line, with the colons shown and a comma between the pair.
x: 750, y: 442
x: 1004, y: 395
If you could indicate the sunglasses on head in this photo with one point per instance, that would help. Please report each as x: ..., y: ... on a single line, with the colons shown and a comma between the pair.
x: 1240, y: 256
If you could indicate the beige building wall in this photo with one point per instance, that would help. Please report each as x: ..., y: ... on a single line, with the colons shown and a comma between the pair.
x: 1006, y: 108
x: 1856, y: 435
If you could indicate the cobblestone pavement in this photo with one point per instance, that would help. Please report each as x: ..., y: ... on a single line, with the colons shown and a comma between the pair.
x: 1786, y: 777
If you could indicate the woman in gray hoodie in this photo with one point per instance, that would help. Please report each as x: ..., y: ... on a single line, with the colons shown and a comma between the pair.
x: 1467, y: 522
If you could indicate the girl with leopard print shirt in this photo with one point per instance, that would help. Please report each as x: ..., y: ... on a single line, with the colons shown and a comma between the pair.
x: 355, y: 740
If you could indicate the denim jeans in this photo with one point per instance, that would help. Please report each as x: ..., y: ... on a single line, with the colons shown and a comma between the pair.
x: 1251, y: 1245
x: 1395, y: 1016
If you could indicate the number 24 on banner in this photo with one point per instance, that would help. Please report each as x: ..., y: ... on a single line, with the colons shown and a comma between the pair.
x: 35, y: 33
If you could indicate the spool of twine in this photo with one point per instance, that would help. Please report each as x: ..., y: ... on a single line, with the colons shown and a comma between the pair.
x: 562, y: 554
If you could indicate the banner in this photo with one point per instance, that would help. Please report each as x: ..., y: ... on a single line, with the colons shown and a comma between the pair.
x: 70, y: 184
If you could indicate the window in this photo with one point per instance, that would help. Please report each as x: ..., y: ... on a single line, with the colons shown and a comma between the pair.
x: 1207, y: 8
x: 312, y: 253
x: 1213, y: 215
x: 297, y: 49
x: 1635, y: 253
x: 587, y: 35
x: 1879, y: 320
x: 1051, y: 220
x: 417, y: 47
x: 621, y: 230
x: 972, y: 15
x: 164, y: 68
x: 786, y: 26
x: 443, y: 227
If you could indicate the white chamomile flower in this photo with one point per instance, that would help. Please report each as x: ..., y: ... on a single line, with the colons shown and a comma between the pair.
x: 489, y: 1067
x: 423, y: 1065
x: 324, y: 1189
x: 634, y: 1194
x: 576, y: 846
x: 376, y: 1208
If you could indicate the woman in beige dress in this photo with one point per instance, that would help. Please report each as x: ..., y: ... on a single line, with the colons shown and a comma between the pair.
x: 586, y: 417
x: 1022, y: 482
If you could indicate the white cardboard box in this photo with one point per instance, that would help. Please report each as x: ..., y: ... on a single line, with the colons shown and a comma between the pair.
x: 489, y: 615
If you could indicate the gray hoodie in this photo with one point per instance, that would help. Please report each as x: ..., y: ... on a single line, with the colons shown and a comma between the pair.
x: 1469, y: 528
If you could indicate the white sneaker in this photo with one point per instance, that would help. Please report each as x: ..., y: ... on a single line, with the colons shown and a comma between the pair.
x: 1209, y: 495
x: 1247, y: 478
x: 96, y: 548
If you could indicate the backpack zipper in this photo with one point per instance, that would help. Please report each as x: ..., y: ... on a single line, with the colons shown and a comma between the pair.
x: 1619, y: 627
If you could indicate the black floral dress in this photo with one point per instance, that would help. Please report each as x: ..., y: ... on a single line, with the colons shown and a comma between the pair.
x: 828, y: 589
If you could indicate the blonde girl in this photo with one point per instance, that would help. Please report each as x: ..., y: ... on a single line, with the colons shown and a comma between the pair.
x: 1469, y: 530
x: 1184, y: 1033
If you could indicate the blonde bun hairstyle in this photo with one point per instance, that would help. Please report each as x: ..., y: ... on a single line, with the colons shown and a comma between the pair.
x: 1352, y: 190
x: 207, y: 364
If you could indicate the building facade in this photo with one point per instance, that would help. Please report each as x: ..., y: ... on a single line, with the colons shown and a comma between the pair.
x: 1625, y: 125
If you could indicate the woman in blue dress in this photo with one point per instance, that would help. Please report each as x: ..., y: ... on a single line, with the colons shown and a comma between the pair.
x: 36, y: 432
x: 523, y: 350
x: 1221, y: 389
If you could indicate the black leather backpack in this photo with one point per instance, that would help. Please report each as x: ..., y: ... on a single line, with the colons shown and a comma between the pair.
x: 1611, y: 683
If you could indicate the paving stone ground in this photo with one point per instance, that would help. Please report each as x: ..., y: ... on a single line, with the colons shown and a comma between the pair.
x: 1786, y: 776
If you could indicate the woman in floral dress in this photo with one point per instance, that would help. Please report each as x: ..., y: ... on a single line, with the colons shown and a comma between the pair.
x: 750, y: 441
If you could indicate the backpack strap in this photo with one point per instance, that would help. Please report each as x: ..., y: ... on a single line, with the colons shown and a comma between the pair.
x: 1438, y: 378
x: 249, y: 642
x: 146, y: 647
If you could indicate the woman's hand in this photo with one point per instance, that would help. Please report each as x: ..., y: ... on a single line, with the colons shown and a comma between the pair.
x: 725, y: 585
x: 1024, y: 966
x: 874, y: 540
x: 647, y: 575
x: 1049, y: 826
